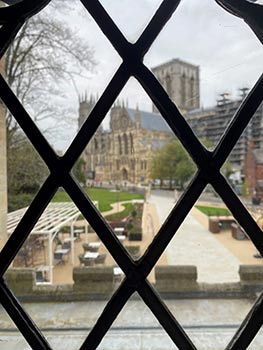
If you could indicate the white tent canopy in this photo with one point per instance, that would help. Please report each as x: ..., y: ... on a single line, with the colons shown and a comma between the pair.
x: 55, y: 216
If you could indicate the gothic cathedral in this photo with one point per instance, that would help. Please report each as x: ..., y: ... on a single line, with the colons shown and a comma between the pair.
x: 122, y: 154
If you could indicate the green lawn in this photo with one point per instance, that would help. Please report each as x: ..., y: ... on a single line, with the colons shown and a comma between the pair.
x: 61, y: 196
x: 103, y: 196
x: 122, y: 214
x: 213, y: 211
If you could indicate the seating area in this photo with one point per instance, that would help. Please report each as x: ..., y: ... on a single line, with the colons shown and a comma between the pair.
x: 91, y: 256
x: 91, y: 247
x: 62, y: 246
x: 61, y: 241
x: 61, y: 256
x: 91, y: 259
x: 51, y: 242
x: 41, y: 274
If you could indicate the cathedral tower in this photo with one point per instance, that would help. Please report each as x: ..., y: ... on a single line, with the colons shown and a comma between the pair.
x: 85, y: 107
x: 181, y: 82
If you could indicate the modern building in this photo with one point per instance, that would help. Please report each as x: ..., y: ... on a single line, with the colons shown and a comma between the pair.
x: 210, y: 124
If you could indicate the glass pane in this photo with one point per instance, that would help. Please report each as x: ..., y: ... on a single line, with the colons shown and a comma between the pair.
x: 131, y: 17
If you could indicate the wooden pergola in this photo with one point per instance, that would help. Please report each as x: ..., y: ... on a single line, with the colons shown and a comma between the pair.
x: 55, y: 216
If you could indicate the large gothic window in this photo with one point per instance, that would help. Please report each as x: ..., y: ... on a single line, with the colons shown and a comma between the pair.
x: 133, y: 164
x: 183, y: 89
x: 120, y: 144
x: 192, y: 92
x: 126, y: 145
x: 102, y: 143
x: 168, y: 83
x: 131, y: 144
x: 96, y: 145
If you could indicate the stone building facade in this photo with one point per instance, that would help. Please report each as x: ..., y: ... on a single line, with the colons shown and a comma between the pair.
x: 123, y: 153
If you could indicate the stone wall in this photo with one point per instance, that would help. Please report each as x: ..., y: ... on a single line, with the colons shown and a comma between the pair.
x: 3, y: 174
x: 181, y: 281
x: 97, y: 283
x: 21, y: 281
x: 176, y: 278
x: 93, y: 281
x: 251, y: 275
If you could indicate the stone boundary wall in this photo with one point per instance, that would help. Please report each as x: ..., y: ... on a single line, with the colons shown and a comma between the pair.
x: 181, y: 282
x: 176, y: 278
x: 97, y: 283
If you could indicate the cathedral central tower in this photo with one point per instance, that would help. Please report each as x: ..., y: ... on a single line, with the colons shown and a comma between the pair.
x: 181, y: 82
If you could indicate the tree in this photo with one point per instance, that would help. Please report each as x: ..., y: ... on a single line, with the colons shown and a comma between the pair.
x: 172, y: 163
x: 78, y: 171
x: 227, y: 169
x: 46, y: 54
x: 26, y: 173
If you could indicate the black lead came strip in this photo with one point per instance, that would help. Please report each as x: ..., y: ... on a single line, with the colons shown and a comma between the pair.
x: 208, y: 163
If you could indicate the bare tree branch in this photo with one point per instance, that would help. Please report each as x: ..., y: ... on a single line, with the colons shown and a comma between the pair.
x: 45, y: 55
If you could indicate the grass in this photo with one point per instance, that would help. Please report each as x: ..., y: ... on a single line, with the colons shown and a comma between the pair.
x: 213, y: 211
x: 122, y: 214
x: 103, y: 196
x: 61, y: 196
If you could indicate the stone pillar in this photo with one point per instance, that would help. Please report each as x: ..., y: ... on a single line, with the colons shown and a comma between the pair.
x: 21, y: 280
x: 93, y: 280
x: 3, y: 171
x: 251, y: 275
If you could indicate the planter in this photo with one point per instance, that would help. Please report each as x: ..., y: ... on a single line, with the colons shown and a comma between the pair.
x: 135, y: 236
x: 134, y: 250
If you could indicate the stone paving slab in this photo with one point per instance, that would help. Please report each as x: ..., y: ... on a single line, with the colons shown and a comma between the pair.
x: 209, y: 323
x: 78, y: 315
x: 205, y: 339
x: 193, y: 244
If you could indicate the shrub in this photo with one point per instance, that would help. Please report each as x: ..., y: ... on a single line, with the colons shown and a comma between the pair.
x: 135, y: 236
x: 134, y: 213
x: 19, y: 201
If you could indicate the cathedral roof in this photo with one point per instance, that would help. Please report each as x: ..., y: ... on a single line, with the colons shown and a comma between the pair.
x: 149, y: 120
x: 158, y: 143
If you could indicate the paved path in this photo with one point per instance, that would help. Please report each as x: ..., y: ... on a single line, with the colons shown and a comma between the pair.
x: 195, y: 245
x: 119, y: 206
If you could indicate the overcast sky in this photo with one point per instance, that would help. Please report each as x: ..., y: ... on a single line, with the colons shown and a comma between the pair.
x: 200, y: 32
